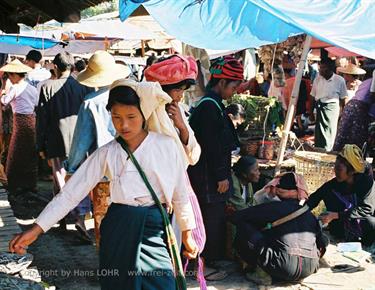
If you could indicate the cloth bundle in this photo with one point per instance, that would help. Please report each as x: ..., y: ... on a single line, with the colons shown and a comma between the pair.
x: 273, y: 192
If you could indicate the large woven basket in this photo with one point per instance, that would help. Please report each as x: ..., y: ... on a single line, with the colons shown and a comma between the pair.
x: 250, y: 147
x: 316, y: 168
x: 101, y: 201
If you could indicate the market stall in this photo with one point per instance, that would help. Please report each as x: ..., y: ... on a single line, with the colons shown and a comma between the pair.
x: 231, y: 24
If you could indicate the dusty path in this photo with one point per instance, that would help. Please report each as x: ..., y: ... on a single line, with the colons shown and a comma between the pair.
x: 67, y: 263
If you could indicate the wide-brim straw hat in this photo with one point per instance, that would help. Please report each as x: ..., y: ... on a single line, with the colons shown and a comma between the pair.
x: 351, y: 69
x: 102, y: 70
x: 16, y: 66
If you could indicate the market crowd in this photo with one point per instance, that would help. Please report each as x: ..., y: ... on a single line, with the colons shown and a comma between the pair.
x: 170, y: 166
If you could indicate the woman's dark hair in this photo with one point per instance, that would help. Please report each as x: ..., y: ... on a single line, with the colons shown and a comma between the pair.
x: 21, y: 75
x: 184, y: 83
x: 64, y: 61
x: 236, y: 110
x: 79, y: 65
x: 348, y: 166
x: 34, y: 55
x: 243, y: 165
x: 214, y: 81
x: 149, y: 62
x: 123, y: 95
x: 288, y: 181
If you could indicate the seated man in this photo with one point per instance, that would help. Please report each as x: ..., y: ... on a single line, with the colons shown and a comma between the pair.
x: 289, y: 251
x: 349, y: 198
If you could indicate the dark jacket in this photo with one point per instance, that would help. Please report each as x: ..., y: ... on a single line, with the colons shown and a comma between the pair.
x: 216, y: 135
x: 59, y: 103
x: 298, y: 237
x: 362, y: 193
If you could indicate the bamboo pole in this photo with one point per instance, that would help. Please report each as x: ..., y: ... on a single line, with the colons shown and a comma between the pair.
x: 292, y: 103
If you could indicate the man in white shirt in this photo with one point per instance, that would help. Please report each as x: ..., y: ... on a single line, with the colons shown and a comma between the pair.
x: 329, y: 92
x: 38, y: 73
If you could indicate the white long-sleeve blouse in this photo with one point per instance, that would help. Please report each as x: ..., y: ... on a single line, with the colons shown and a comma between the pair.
x: 162, y: 163
x: 192, y: 148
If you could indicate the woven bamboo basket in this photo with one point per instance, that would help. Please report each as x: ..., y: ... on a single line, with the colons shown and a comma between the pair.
x: 250, y: 147
x: 316, y: 168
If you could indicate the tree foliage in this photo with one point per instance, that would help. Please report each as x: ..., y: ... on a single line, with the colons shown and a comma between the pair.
x: 105, y: 7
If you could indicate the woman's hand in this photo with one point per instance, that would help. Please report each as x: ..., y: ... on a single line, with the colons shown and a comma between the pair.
x: 174, y: 113
x: 328, y: 217
x: 191, y: 248
x: 21, y: 241
x: 223, y: 186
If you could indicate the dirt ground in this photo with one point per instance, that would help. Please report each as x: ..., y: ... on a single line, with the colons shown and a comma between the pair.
x: 64, y: 261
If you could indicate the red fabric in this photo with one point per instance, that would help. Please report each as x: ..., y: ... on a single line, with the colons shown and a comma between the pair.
x: 172, y: 70
x: 227, y: 68
x: 287, y: 91
x: 250, y: 86
x: 301, y: 192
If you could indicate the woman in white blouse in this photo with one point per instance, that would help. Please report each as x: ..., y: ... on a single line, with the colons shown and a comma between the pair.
x: 132, y: 245
x: 176, y: 74
x: 22, y: 162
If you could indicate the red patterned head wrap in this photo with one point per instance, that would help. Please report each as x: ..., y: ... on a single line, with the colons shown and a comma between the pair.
x: 172, y: 70
x: 227, y: 68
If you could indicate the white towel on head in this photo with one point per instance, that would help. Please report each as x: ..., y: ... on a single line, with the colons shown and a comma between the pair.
x: 153, y: 100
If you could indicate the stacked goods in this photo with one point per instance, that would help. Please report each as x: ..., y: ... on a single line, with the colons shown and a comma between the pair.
x: 258, y: 110
x: 292, y: 48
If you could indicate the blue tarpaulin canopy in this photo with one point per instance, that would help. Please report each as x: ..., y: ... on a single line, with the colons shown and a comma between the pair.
x: 34, y: 42
x: 237, y: 24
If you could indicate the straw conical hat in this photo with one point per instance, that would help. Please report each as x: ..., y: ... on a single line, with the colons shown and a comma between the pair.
x: 102, y: 70
x: 16, y: 66
x: 351, y: 69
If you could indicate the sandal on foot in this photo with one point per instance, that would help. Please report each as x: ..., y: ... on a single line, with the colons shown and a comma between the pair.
x: 83, y: 234
x: 212, y: 274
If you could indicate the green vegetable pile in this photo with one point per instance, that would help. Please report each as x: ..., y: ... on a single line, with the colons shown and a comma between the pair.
x: 256, y: 108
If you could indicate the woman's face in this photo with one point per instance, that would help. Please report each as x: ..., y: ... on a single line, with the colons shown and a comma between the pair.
x: 227, y: 90
x: 254, y: 174
x: 349, y: 78
x: 14, y: 78
x: 177, y: 94
x: 237, y: 121
x: 127, y: 120
x: 341, y: 171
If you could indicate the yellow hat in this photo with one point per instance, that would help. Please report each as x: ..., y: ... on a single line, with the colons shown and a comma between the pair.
x: 353, y: 155
x: 351, y: 69
x: 16, y: 66
x: 102, y: 70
